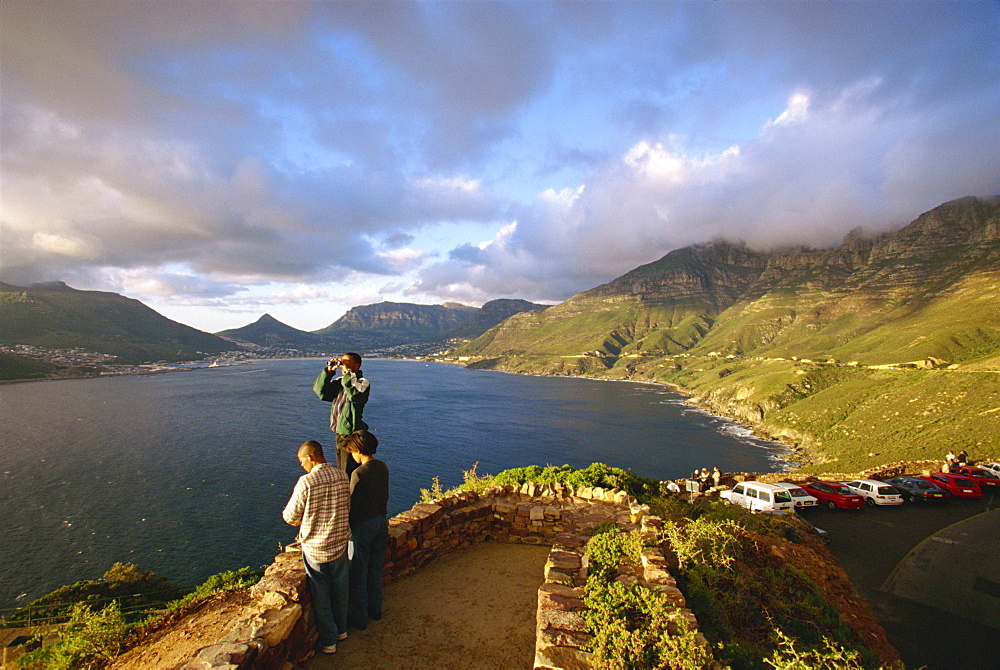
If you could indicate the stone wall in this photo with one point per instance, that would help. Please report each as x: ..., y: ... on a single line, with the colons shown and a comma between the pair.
x: 277, y: 631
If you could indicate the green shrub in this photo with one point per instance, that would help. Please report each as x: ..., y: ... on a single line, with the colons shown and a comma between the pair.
x: 595, y: 475
x: 633, y: 626
x: 434, y: 493
x: 705, y: 542
x: 137, y: 590
x: 224, y: 581
x: 828, y: 656
x: 741, y: 596
x: 88, y: 640
x: 608, y: 548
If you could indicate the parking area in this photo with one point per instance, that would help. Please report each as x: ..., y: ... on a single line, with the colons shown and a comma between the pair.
x: 922, y: 568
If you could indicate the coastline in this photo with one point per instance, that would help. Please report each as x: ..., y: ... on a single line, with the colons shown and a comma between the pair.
x: 791, y: 454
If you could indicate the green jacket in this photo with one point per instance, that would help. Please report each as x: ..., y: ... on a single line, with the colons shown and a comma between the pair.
x: 348, y: 395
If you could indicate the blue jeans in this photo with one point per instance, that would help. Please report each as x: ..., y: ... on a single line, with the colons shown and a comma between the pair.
x: 369, y: 538
x: 328, y: 586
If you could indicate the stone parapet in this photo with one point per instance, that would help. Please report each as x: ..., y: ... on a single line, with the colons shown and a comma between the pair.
x: 561, y: 633
x: 277, y: 631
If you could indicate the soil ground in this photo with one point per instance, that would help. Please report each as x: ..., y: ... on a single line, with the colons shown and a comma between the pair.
x: 474, y: 608
x: 471, y: 609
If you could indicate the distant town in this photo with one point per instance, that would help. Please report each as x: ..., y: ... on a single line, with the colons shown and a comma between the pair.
x: 83, y: 363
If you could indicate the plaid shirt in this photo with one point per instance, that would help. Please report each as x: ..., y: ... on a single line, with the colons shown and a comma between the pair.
x: 320, y: 505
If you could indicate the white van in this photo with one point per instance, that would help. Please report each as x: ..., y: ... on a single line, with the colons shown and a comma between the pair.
x: 759, y: 496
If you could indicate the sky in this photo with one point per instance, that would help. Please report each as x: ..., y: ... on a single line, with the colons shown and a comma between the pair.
x: 222, y: 160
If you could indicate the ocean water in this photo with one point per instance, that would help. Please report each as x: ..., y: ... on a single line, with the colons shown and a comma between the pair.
x: 186, y: 473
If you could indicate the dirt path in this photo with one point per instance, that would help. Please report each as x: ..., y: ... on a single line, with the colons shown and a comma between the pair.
x: 471, y: 609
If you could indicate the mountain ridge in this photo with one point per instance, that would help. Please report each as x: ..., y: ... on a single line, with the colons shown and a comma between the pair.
x: 832, y: 350
x: 57, y: 316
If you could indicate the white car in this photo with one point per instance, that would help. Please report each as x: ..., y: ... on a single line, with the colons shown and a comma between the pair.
x: 992, y: 467
x: 875, y: 492
x: 800, y: 496
x: 759, y: 497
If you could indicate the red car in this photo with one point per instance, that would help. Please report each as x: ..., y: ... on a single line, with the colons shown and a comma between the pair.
x: 834, y: 495
x: 980, y: 476
x: 961, y: 486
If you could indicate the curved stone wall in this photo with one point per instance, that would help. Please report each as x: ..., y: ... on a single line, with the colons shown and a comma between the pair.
x: 277, y: 630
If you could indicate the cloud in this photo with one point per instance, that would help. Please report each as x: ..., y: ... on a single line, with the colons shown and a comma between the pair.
x: 814, y: 172
x: 466, y: 151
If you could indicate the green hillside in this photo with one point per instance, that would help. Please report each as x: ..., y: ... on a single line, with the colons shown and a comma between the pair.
x: 883, y: 347
x: 59, y: 317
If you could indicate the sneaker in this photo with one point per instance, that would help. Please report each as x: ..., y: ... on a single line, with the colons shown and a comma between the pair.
x: 342, y: 636
x: 332, y: 649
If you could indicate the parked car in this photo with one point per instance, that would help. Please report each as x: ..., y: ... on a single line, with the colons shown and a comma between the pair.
x: 982, y: 476
x: 992, y: 467
x: 799, y: 495
x: 918, y: 488
x: 834, y: 495
x: 875, y: 492
x: 959, y: 486
x: 759, y: 497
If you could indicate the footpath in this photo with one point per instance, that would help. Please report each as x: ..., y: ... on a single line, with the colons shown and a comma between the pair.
x: 471, y: 609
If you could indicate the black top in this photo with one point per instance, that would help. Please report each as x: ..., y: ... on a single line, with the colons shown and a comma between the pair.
x: 369, y: 491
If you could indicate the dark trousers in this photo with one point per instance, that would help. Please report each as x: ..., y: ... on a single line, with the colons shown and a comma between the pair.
x: 369, y: 540
x: 329, y: 585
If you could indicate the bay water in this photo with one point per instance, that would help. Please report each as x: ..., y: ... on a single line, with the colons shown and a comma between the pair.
x: 186, y: 473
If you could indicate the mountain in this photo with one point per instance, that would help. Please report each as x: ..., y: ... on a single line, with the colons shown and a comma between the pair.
x: 269, y: 332
x: 55, y: 316
x: 823, y: 348
x: 389, y: 324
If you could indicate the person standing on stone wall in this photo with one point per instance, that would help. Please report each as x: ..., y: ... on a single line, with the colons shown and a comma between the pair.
x: 369, y: 529
x: 348, y: 395
x: 320, y: 506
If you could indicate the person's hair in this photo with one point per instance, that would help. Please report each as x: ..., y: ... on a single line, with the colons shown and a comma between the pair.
x: 362, y: 442
x: 312, y: 448
x: 353, y: 356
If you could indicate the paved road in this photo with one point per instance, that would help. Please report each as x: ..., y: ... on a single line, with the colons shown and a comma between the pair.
x: 934, y: 547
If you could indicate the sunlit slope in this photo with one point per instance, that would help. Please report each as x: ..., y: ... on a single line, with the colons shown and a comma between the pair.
x: 661, y: 308
x: 928, y: 290
x: 885, y: 346
x: 959, y: 324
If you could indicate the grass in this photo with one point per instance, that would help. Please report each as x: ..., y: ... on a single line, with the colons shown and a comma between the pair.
x: 95, y: 623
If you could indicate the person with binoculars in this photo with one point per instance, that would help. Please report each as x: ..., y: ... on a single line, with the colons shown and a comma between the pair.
x: 348, y: 395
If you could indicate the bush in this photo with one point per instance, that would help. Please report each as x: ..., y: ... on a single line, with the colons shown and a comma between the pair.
x: 595, y: 475
x: 633, y: 626
x: 224, y: 581
x: 137, y: 590
x: 88, y: 640
x: 828, y: 656
x: 742, y: 597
